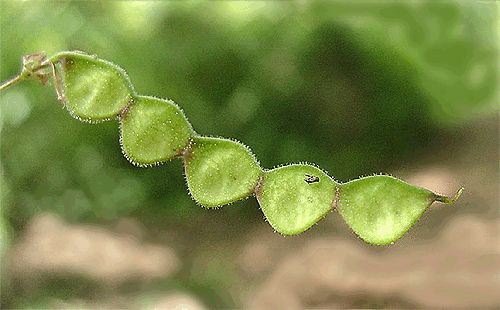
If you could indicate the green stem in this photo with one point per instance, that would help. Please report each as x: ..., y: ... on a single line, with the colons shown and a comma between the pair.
x: 448, y: 200
x: 20, y: 77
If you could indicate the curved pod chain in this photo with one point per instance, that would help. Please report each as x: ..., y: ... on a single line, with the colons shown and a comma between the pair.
x: 379, y: 209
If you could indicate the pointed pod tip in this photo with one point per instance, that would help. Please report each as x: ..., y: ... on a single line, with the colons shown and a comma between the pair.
x: 449, y: 201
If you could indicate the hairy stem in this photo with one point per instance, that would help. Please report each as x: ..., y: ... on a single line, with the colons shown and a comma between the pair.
x: 20, y: 77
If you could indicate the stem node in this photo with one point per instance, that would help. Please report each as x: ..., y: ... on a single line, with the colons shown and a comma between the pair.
x: 35, y: 66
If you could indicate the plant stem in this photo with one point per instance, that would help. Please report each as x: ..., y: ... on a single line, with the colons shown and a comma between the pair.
x: 20, y: 77
x: 448, y: 200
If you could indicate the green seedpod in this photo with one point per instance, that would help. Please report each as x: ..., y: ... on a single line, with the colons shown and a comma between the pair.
x: 153, y: 130
x: 220, y: 171
x: 295, y: 197
x: 92, y: 89
x: 380, y: 209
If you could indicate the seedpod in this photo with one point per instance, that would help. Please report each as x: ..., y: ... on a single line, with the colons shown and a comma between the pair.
x: 220, y: 171
x: 295, y: 197
x: 92, y: 89
x: 380, y: 209
x: 153, y: 130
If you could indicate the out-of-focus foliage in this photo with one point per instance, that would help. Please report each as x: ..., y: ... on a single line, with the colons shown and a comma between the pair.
x: 353, y: 87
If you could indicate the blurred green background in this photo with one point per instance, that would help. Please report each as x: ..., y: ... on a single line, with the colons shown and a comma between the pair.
x: 357, y: 88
